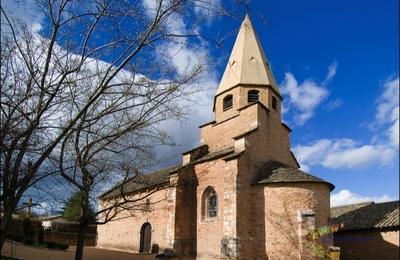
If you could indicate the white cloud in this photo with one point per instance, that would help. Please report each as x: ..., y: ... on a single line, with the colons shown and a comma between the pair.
x: 387, y: 110
x: 334, y: 104
x: 388, y: 100
x: 331, y: 73
x: 345, y: 197
x: 303, y: 98
x: 342, y: 153
x: 207, y: 8
x: 184, y: 56
x: 393, y: 131
x: 184, y: 59
x: 27, y: 11
x: 347, y: 153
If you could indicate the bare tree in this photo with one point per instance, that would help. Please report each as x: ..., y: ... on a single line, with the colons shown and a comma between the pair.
x: 85, y: 94
x: 117, y: 136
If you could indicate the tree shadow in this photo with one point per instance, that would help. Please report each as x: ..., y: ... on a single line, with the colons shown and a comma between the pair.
x: 185, y: 243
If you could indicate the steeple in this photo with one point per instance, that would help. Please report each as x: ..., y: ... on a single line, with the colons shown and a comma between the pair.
x: 247, y: 64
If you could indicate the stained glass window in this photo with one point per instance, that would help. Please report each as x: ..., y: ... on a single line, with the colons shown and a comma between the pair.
x: 212, y: 205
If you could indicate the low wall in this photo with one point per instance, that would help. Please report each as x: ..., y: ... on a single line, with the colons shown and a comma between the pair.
x: 69, y: 238
x: 65, y: 233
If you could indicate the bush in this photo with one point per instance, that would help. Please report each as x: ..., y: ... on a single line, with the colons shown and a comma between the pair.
x: 51, y: 245
x: 41, y: 236
x: 54, y: 245
x: 28, y: 229
x: 155, y: 249
x: 28, y: 241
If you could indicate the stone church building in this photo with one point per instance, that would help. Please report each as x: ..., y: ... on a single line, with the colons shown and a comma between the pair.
x: 240, y: 194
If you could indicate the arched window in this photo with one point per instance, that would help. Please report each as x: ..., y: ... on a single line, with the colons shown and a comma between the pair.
x: 228, y: 102
x: 209, y: 205
x: 252, y: 96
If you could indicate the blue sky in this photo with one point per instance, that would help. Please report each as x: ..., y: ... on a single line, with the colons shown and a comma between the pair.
x: 338, y: 70
x: 362, y: 39
x: 357, y: 42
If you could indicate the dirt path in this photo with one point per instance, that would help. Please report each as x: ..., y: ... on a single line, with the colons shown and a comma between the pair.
x: 90, y: 253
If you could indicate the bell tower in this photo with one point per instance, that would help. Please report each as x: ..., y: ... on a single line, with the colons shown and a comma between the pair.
x: 247, y: 78
x: 247, y: 105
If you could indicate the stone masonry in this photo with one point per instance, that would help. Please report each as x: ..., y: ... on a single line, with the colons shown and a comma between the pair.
x: 240, y: 194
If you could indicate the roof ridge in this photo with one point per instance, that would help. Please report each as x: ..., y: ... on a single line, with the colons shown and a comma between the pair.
x: 140, y: 175
x: 355, y: 204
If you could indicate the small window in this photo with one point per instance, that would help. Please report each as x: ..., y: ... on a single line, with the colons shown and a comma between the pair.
x: 228, y: 102
x: 274, y: 102
x: 209, y: 204
x: 252, y: 96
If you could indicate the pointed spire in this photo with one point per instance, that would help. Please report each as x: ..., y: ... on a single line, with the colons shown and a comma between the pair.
x: 247, y: 63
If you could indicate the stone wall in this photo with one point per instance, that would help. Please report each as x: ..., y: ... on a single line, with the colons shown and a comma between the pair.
x: 239, y: 100
x: 124, y: 231
x: 216, y: 237
x: 284, y: 238
x: 68, y: 238
x: 185, y: 215
x: 368, y: 244
x: 240, y: 95
x: 269, y: 141
x: 218, y: 136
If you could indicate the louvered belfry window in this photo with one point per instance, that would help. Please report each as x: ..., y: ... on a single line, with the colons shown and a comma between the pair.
x: 252, y: 96
x: 228, y: 102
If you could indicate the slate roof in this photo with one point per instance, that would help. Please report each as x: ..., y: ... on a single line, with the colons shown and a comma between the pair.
x: 367, y: 215
x: 161, y: 176
x: 141, y: 181
x: 278, y: 172
x: 214, y: 155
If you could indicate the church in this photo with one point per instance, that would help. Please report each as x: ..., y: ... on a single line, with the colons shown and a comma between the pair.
x: 240, y: 194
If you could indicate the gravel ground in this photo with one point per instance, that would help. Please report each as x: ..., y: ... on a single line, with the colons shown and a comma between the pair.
x: 22, y: 251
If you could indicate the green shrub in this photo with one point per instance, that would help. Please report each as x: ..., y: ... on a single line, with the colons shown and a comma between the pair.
x: 28, y: 241
x: 62, y: 246
x: 51, y: 245
x: 54, y: 245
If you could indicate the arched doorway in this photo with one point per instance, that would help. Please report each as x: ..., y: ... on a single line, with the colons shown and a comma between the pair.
x: 145, y: 238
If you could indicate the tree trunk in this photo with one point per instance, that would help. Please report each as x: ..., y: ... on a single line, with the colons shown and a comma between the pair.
x: 81, y: 240
x: 5, y: 223
x: 83, y: 220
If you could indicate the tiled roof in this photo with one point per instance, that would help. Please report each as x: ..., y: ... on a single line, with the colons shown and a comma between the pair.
x: 367, y: 215
x: 141, y: 181
x: 277, y: 172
